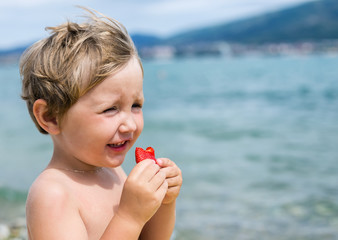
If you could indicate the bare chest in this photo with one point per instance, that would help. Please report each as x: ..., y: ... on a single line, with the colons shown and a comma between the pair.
x: 97, y: 205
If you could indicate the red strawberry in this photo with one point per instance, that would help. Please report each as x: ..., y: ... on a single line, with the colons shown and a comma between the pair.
x: 141, y: 154
x: 151, y: 150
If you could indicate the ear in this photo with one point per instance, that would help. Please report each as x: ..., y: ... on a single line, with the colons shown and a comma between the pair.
x: 49, y: 124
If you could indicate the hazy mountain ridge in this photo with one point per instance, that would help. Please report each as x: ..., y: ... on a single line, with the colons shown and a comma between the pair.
x: 312, y: 21
x: 315, y: 22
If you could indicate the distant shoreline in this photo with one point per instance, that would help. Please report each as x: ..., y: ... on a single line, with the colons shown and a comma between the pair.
x: 221, y: 49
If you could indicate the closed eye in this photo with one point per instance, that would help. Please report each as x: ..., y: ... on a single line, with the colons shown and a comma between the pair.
x: 110, y: 109
x: 137, y: 105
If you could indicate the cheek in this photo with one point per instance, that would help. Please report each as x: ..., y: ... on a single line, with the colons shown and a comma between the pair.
x: 87, y: 129
x: 139, y: 123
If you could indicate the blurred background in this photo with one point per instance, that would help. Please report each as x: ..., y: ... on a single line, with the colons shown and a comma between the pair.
x: 242, y: 95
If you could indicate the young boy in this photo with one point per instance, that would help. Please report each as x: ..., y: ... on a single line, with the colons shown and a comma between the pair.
x: 83, y: 87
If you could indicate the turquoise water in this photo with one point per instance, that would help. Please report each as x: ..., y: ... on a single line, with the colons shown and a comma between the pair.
x: 255, y: 137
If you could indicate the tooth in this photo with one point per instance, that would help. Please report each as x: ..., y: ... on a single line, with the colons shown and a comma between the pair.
x: 118, y: 144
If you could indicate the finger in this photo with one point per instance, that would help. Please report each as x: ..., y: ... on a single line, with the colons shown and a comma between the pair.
x: 165, y: 162
x: 144, y: 170
x: 172, y: 171
x: 157, y: 180
x: 173, y: 191
x: 171, y: 195
x: 162, y: 190
x: 174, y: 181
x: 145, y: 163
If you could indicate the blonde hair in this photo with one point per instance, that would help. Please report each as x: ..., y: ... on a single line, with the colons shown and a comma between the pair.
x: 71, y: 61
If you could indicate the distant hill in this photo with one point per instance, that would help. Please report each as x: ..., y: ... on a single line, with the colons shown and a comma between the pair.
x: 313, y: 21
x: 11, y: 55
x: 142, y: 40
x: 17, y: 50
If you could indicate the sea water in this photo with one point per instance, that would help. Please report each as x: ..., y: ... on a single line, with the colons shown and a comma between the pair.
x: 256, y: 139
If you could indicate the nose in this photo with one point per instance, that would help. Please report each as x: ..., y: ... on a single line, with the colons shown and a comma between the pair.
x: 128, y: 123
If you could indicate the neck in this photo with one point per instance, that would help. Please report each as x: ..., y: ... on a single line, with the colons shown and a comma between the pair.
x: 97, y: 169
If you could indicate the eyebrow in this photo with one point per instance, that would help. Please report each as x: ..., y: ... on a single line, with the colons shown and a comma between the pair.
x: 138, y: 95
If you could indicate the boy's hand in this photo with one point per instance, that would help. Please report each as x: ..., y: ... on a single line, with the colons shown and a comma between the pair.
x: 173, y: 178
x: 143, y: 192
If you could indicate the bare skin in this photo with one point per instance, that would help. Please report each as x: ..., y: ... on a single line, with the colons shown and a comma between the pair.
x: 84, y: 193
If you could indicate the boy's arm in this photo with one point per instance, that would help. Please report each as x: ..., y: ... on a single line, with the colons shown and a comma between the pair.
x: 162, y: 224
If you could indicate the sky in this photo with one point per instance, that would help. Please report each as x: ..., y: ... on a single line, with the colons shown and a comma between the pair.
x: 23, y: 21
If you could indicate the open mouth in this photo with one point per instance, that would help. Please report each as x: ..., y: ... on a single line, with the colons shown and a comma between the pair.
x: 118, y: 145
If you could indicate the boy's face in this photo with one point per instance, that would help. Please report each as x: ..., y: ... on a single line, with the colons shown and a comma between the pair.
x: 100, y: 128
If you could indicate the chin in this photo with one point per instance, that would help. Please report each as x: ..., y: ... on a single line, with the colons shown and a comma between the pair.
x: 115, y: 162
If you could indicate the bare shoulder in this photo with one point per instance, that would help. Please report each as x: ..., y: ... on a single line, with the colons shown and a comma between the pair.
x: 48, y: 188
x: 51, y: 204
